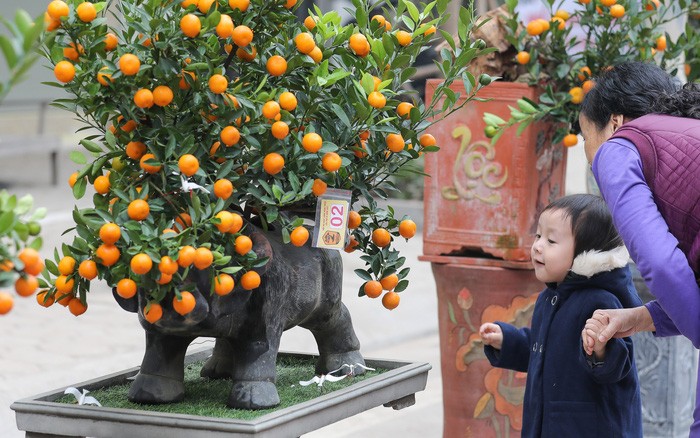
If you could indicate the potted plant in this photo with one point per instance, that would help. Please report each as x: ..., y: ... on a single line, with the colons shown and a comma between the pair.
x: 565, y: 54
x: 20, y: 263
x: 506, y: 162
x: 214, y: 131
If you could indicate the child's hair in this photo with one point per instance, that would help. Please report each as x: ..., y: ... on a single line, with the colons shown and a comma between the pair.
x: 591, y: 222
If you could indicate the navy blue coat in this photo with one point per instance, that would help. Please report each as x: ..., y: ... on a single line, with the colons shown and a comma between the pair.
x: 566, y: 394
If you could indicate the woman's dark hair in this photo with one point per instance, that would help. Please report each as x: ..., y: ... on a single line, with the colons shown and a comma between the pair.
x: 683, y: 103
x: 591, y: 222
x: 634, y: 89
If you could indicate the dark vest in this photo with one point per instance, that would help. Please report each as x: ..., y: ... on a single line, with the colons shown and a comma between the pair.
x: 670, y: 151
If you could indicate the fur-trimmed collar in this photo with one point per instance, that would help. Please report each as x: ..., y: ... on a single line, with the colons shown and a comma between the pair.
x: 589, y: 263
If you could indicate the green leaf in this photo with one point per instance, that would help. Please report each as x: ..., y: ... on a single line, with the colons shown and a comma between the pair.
x: 9, y: 51
x: 31, y: 40
x: 367, y: 83
x: 522, y: 127
x: 6, y: 221
x: 196, y: 209
x: 77, y: 157
x: 465, y: 18
x: 225, y: 169
x: 492, y: 119
x: 363, y: 274
x: 111, y: 140
x: 497, y: 136
x: 407, y: 73
x: 170, y: 147
x: 36, y: 243
x: 79, y: 188
x: 98, y: 165
x: 334, y: 77
x: 52, y: 268
x: 360, y: 15
x: 24, y: 204
x: 294, y: 181
x: 272, y: 214
x: 412, y: 10
x: 446, y: 35
x: 231, y: 269
x: 341, y: 114
x: 277, y: 192
x: 23, y: 21
x: 22, y: 230
x: 39, y: 213
x: 403, y: 284
x: 91, y: 146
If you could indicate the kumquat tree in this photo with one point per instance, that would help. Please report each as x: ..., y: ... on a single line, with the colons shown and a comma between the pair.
x: 20, y: 263
x: 203, y: 117
x: 565, y: 53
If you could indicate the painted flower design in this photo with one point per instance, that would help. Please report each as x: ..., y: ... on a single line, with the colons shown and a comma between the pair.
x: 501, y: 403
x: 465, y: 299
x: 517, y: 313
x: 507, y: 388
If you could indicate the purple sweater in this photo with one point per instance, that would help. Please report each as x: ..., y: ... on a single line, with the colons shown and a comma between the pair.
x: 670, y: 151
x: 617, y: 167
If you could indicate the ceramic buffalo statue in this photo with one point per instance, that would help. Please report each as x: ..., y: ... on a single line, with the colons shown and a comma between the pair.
x: 300, y: 286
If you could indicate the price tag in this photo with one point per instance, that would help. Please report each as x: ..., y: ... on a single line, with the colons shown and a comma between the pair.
x: 332, y: 219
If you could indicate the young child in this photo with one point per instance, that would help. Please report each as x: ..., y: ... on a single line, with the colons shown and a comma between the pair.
x: 580, y: 257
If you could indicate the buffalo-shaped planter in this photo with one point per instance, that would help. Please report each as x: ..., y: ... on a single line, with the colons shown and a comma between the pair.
x: 301, y: 286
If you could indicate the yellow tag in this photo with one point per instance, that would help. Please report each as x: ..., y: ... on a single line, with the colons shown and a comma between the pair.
x: 331, y: 221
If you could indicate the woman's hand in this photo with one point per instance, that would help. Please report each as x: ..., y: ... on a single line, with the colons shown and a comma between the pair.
x: 589, y: 337
x: 491, y: 334
x: 606, y: 324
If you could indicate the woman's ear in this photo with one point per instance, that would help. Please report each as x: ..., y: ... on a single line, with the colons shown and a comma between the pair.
x: 616, y: 120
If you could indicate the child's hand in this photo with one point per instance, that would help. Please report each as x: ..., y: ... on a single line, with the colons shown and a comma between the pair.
x: 591, y: 342
x: 492, y: 335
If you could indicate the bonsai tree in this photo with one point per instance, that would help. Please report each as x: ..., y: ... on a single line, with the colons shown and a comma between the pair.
x: 203, y: 117
x: 20, y: 263
x: 564, y: 54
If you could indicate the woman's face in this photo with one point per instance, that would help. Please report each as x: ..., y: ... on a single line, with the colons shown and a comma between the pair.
x: 594, y: 137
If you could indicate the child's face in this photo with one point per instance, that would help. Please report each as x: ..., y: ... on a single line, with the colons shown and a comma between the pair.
x: 553, y: 250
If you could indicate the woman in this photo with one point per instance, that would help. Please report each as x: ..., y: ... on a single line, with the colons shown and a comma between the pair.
x: 642, y: 138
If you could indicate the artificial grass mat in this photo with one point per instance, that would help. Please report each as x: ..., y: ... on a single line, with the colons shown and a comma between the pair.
x: 207, y: 397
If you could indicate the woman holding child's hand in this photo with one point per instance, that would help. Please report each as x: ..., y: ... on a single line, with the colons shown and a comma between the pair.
x: 642, y: 136
x: 606, y: 324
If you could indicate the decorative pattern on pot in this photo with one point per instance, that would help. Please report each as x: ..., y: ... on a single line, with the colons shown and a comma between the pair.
x: 504, y: 388
x: 476, y: 162
x: 505, y: 393
x: 482, y: 195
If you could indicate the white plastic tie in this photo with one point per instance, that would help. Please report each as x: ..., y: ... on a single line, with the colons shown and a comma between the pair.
x: 319, y: 380
x: 188, y: 186
x: 82, y: 398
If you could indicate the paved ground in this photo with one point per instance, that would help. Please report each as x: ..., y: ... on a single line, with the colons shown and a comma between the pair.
x: 44, y: 349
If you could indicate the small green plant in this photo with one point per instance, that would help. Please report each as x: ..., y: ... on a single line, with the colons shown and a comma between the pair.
x: 564, y: 62
x: 20, y: 263
x: 19, y: 260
